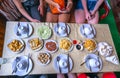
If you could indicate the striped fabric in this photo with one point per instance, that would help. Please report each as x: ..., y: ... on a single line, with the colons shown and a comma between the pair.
x: 9, y: 10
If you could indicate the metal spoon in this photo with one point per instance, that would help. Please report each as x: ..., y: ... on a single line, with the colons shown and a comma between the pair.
x: 15, y: 67
x: 18, y: 33
x: 58, y: 59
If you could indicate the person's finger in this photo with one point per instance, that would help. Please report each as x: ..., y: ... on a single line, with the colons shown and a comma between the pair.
x: 41, y: 11
x: 38, y: 7
x: 72, y: 75
x: 88, y: 77
x: 60, y: 76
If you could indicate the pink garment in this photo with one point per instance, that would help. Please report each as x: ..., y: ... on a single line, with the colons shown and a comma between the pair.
x: 109, y: 75
x: 82, y: 75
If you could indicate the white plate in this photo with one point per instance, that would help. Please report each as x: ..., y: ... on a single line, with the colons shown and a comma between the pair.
x: 108, y: 50
x: 70, y: 47
x: 27, y: 32
x: 63, y: 70
x: 23, y: 72
x: 51, y: 41
x: 41, y: 31
x: 9, y: 41
x: 91, y: 28
x: 37, y: 48
x: 93, y: 56
x: 60, y: 24
x: 47, y: 61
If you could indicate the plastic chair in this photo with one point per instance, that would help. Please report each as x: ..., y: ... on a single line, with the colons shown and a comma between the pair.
x: 107, y: 8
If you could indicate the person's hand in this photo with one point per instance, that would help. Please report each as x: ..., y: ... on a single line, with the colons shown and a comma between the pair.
x: 88, y: 16
x: 69, y: 6
x: 57, y: 6
x: 35, y: 20
x: 92, y: 14
x: 40, y: 8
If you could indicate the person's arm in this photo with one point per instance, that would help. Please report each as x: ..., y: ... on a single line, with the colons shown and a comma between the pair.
x: 51, y: 2
x: 23, y: 11
x: 98, y: 4
x: 41, y: 7
x: 87, y: 13
x: 69, y: 5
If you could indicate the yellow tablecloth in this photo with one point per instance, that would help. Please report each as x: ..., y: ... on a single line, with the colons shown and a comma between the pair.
x: 103, y: 34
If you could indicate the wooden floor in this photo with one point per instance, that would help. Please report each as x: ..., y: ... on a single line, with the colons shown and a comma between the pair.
x: 2, y: 33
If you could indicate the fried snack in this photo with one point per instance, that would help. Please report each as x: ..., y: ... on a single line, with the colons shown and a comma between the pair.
x: 43, y: 58
x: 65, y: 44
x: 35, y: 43
x: 90, y: 45
x: 15, y: 45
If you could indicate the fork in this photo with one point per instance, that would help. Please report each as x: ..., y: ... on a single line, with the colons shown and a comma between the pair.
x: 66, y: 29
x: 27, y: 30
x: 29, y: 55
x: 84, y: 32
x: 99, y: 62
x: 92, y: 29
x: 57, y: 27
x: 68, y: 62
x: 15, y: 68
x: 18, y: 33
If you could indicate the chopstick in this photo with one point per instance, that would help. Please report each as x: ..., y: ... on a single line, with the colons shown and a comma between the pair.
x: 68, y: 62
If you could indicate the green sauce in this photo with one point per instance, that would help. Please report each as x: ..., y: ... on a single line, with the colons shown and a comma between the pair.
x: 44, y: 32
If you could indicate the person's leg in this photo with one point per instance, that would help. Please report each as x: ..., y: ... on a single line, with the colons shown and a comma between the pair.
x: 51, y: 17
x: 71, y: 75
x: 79, y: 16
x: 95, y: 20
x: 60, y: 76
x: 35, y: 13
x: 64, y: 18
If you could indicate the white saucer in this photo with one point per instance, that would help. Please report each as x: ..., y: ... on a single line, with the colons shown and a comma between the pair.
x: 23, y: 72
x: 64, y: 56
x: 108, y: 47
x: 93, y: 56
x: 27, y: 33
x: 60, y: 24
x: 91, y: 28
x: 9, y: 41
x: 51, y: 41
